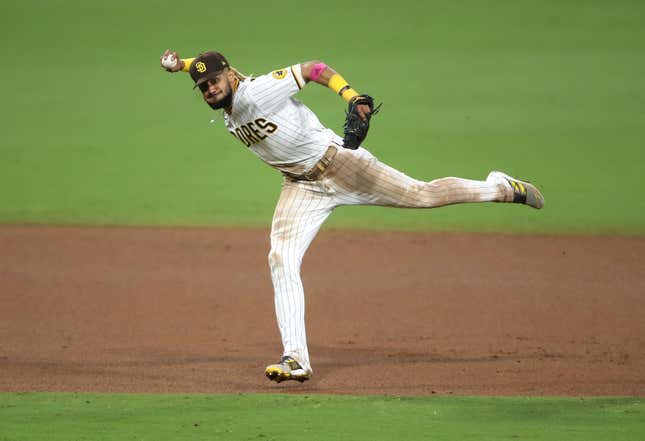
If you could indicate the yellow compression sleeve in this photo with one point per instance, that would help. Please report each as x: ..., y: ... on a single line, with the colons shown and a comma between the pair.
x: 339, y: 85
x: 187, y: 63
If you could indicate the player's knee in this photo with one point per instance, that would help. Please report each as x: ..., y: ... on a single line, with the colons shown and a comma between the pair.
x: 275, y: 258
x: 414, y: 195
x: 284, y: 260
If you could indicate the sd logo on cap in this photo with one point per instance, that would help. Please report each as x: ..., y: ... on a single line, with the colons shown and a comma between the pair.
x: 206, y: 66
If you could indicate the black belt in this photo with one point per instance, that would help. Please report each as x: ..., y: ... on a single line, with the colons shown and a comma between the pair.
x: 318, y: 169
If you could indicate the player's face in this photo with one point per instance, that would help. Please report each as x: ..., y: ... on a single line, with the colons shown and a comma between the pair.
x: 217, y: 91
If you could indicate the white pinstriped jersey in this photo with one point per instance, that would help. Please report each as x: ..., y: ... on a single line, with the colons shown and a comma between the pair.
x: 281, y: 130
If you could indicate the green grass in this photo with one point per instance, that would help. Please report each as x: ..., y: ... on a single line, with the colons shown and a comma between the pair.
x: 94, y: 132
x: 65, y: 417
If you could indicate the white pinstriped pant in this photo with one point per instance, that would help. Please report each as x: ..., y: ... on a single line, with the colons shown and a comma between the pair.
x: 355, y: 177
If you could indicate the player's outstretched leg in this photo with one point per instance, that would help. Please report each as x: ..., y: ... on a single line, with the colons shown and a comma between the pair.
x: 362, y: 179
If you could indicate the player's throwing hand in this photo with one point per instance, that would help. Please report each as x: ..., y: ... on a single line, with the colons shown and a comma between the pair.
x: 171, y: 62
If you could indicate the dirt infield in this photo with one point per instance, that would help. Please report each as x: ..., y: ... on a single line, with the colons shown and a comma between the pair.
x: 191, y: 310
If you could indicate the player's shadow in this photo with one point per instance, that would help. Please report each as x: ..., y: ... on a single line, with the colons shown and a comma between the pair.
x: 349, y: 354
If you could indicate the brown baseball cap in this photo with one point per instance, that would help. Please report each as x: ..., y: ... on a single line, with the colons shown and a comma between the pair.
x: 207, y: 66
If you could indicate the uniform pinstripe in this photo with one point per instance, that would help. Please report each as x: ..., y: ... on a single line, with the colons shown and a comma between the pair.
x: 300, y: 140
x: 355, y: 177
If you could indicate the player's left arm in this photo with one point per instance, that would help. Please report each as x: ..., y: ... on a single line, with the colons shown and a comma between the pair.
x: 319, y: 72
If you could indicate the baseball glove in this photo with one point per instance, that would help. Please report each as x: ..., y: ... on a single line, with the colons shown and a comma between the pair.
x: 355, y: 129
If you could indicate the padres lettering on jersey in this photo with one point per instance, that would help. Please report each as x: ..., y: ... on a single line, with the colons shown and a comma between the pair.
x: 254, y: 132
x: 279, y: 129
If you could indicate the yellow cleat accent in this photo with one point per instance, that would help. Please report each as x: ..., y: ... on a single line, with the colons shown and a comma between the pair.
x: 287, y: 369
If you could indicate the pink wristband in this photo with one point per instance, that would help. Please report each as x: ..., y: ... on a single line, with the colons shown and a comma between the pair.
x: 317, y: 71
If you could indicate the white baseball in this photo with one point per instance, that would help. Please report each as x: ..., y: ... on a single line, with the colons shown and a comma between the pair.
x: 169, y: 61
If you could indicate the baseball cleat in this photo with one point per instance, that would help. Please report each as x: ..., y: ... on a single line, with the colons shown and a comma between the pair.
x: 287, y: 369
x: 523, y: 192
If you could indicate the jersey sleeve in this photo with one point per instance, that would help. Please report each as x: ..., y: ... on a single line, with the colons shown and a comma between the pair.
x: 271, y: 90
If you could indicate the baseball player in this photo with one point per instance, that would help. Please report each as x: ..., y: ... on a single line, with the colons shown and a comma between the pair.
x: 321, y: 171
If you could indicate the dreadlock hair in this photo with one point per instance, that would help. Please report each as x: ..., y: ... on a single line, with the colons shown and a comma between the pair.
x: 239, y: 75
